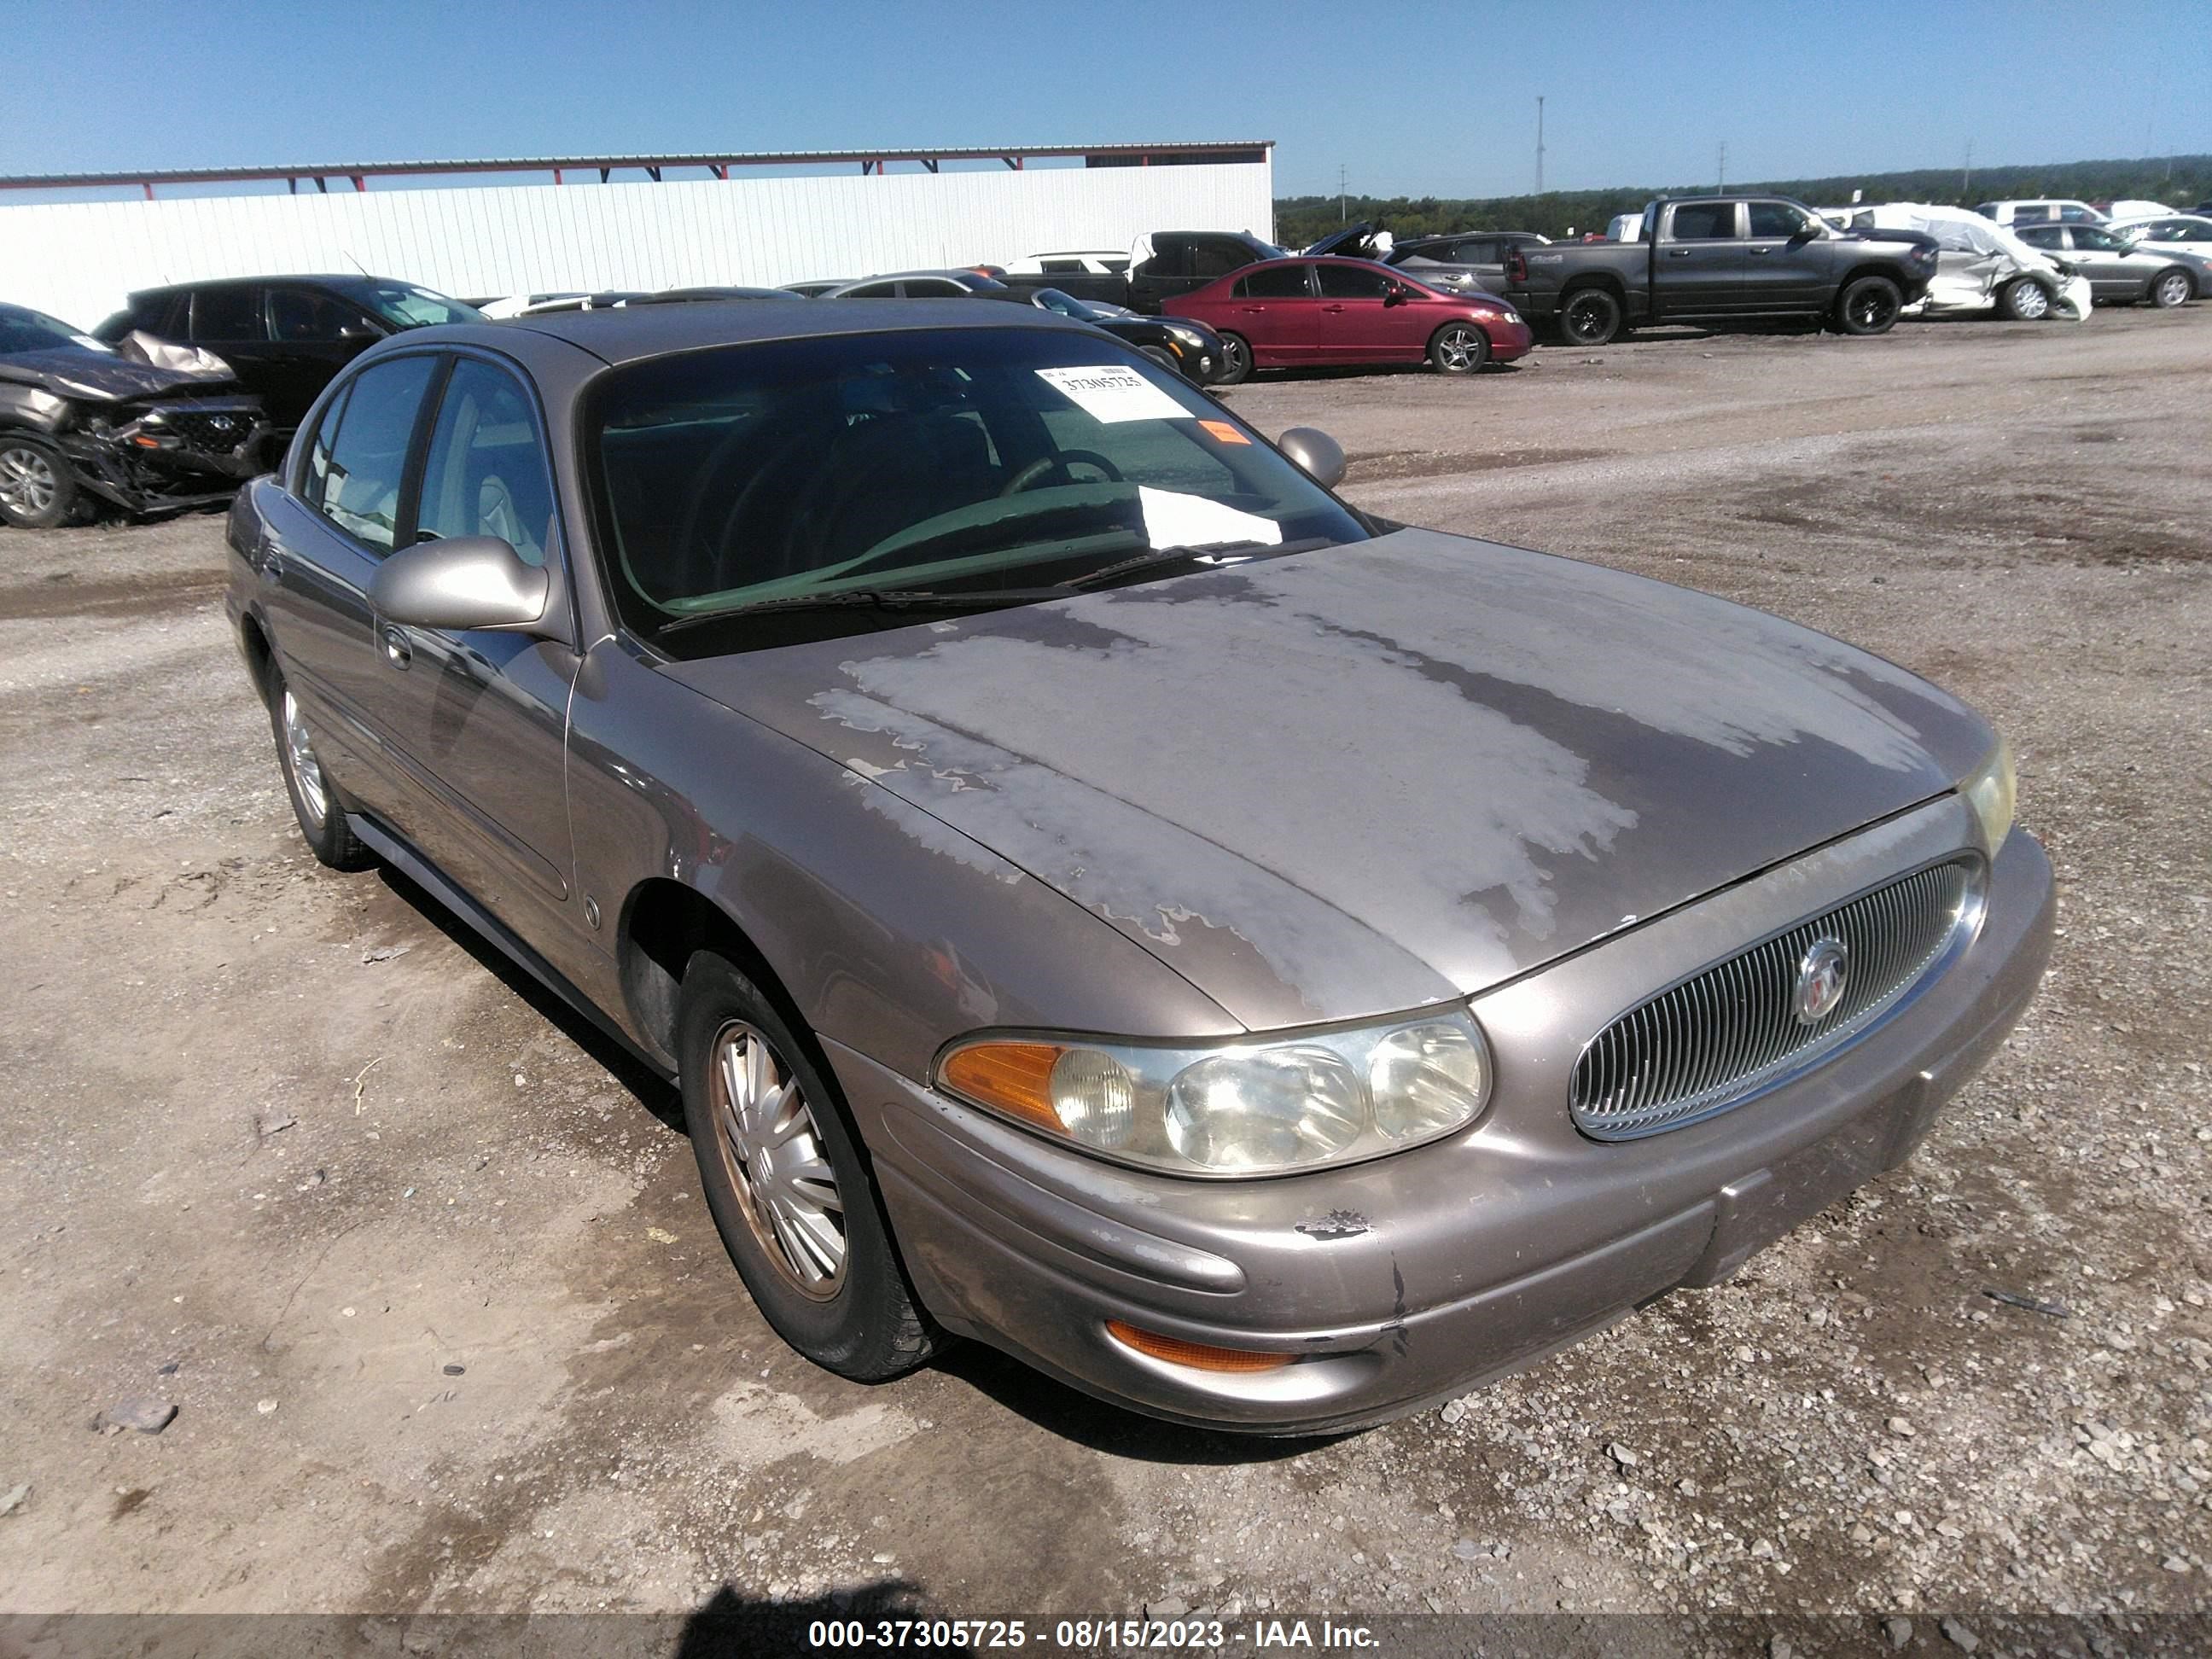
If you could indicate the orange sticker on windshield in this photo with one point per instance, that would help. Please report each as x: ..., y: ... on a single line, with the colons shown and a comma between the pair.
x: 1226, y: 433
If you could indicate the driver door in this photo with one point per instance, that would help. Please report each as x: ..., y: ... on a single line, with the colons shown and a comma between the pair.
x: 480, y: 716
x: 1786, y: 259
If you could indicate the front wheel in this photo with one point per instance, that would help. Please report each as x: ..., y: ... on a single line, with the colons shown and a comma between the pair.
x: 37, y: 489
x: 1589, y: 317
x: 784, y: 1180
x: 315, y: 803
x: 1869, y: 304
x: 1235, y: 360
x: 1459, y: 348
x: 2172, y: 288
x: 2025, y: 301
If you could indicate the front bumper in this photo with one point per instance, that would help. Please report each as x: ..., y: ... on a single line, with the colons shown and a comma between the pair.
x: 172, y: 455
x: 1509, y: 340
x: 1416, y: 1277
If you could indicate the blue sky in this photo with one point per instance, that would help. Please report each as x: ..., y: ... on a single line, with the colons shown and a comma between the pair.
x: 1418, y: 97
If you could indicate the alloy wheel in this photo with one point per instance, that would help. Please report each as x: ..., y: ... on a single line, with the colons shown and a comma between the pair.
x: 1458, y: 349
x: 2172, y: 288
x: 307, y: 771
x: 1236, y: 361
x: 2031, y: 302
x: 1874, y: 309
x: 27, y: 482
x: 772, y: 1147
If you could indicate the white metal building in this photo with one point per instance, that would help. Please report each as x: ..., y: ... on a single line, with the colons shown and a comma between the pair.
x: 584, y: 227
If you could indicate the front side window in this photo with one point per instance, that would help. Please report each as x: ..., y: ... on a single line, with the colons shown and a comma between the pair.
x: 872, y: 291
x: 486, y: 473
x: 744, y: 485
x: 368, y: 457
x: 402, y: 305
x: 306, y: 315
x: 1705, y: 221
x: 2075, y: 213
x: 1277, y: 283
x: 2043, y: 236
x: 2090, y: 240
x: 315, y: 476
x: 227, y: 314
x: 1776, y: 221
x: 1353, y: 282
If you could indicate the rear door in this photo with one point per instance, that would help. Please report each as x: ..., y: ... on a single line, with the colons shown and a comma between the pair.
x: 1697, y: 267
x: 1274, y: 308
x: 327, y: 536
x: 230, y: 320
x: 479, y: 716
x: 1787, y: 260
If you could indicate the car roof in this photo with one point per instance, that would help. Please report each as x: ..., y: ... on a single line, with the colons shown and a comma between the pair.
x: 631, y: 334
x: 327, y: 279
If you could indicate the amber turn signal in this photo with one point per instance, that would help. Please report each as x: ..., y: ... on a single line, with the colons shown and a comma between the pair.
x: 1016, y: 1077
x: 1197, y: 1355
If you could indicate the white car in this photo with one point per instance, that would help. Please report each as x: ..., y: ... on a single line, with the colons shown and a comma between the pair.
x: 2131, y: 210
x: 2043, y: 210
x: 2192, y: 233
x: 518, y: 305
x: 1979, y: 266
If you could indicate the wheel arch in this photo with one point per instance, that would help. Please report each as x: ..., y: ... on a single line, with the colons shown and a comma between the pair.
x: 260, y: 655
x: 664, y: 921
x: 1881, y: 268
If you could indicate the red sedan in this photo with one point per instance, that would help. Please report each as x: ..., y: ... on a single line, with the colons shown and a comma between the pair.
x: 1281, y: 313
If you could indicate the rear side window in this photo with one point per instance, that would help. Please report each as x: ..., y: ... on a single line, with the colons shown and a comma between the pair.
x: 1281, y: 282
x: 2031, y: 213
x: 2078, y: 215
x: 1351, y: 282
x: 873, y: 291
x: 1705, y: 221
x: 227, y: 314
x: 2047, y: 236
x: 486, y: 474
x: 368, y: 458
x: 1170, y: 258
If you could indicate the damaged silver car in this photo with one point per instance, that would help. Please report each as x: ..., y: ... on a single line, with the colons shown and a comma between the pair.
x: 1980, y: 267
x: 1096, y: 891
x: 145, y: 427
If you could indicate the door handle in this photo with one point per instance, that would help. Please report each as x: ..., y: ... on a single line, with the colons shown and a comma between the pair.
x: 1759, y: 252
x: 1678, y: 253
x: 1253, y: 311
x: 1332, y: 309
x: 399, y: 651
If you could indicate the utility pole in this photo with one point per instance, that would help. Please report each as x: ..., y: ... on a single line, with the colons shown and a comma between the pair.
x: 1342, y: 214
x: 1724, y: 166
x: 1539, y: 144
x: 1966, y: 173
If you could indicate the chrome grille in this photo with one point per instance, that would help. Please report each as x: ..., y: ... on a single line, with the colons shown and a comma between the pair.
x: 1726, y: 1033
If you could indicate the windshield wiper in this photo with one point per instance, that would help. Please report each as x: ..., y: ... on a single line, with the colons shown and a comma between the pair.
x: 877, y: 598
x: 1167, y: 555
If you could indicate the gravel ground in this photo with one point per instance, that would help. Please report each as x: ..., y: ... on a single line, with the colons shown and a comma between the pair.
x: 424, y: 1269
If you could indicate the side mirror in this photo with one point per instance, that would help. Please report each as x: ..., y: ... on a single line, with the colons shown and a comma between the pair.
x: 1396, y: 297
x: 1318, y: 455
x: 358, y: 331
x: 470, y: 581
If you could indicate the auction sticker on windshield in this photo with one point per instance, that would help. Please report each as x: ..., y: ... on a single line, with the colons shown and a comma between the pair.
x: 1108, y: 394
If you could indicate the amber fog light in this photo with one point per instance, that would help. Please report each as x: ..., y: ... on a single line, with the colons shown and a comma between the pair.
x: 1199, y: 1356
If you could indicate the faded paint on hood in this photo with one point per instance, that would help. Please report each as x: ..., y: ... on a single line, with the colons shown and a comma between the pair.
x: 1372, y: 777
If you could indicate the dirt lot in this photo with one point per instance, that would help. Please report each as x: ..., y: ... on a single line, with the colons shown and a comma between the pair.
x: 425, y: 1269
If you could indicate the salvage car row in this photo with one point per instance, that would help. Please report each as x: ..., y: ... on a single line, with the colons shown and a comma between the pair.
x: 192, y: 388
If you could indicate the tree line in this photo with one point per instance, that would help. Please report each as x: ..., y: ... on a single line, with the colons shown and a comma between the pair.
x: 2180, y: 181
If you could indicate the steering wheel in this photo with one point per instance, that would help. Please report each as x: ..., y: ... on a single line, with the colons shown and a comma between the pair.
x: 1058, y: 463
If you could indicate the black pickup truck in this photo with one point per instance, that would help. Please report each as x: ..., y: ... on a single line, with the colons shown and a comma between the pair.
x: 1719, y: 260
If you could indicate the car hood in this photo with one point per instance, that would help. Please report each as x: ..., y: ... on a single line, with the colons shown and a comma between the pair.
x: 94, y: 376
x: 1373, y: 777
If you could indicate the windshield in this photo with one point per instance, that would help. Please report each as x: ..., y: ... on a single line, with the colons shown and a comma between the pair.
x: 404, y: 306
x: 24, y: 329
x: 1051, y: 299
x: 940, y: 462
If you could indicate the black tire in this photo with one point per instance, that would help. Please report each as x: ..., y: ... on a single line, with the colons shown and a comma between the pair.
x: 1236, y: 360
x: 2172, y: 288
x: 1458, y: 348
x: 315, y: 800
x: 38, y: 491
x: 2024, y: 299
x: 863, y: 1322
x: 1589, y: 317
x: 1869, y: 305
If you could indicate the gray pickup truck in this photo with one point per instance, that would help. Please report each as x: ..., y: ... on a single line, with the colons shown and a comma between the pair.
x: 1718, y: 260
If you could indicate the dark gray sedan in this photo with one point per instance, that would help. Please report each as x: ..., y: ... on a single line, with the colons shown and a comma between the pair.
x: 1096, y: 891
x: 2122, y: 270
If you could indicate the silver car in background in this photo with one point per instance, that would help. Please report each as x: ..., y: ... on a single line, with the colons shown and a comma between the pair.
x: 1096, y: 891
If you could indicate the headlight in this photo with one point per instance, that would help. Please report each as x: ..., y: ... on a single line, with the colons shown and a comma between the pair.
x: 1189, y: 337
x: 1235, y: 1108
x: 1991, y: 790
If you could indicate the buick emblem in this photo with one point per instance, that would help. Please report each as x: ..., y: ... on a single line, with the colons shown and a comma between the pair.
x: 1822, y: 973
